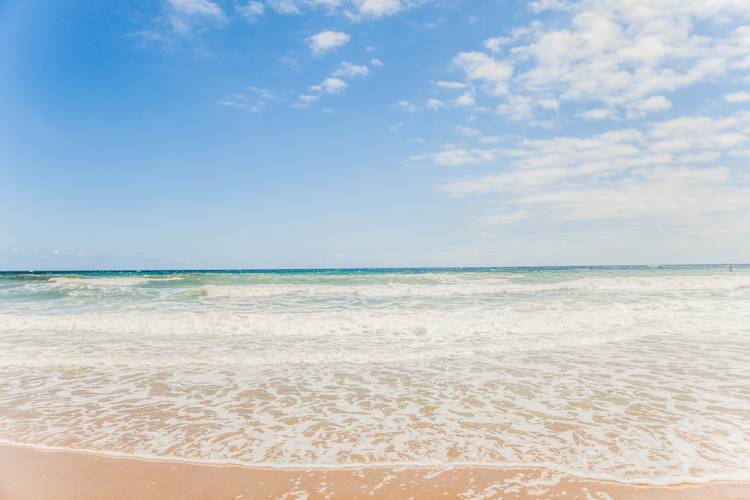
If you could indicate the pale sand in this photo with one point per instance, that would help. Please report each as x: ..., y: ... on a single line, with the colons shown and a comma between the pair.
x: 30, y: 473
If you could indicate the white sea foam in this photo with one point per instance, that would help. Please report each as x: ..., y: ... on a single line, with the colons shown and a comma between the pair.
x: 494, y: 286
x: 616, y: 374
x: 65, y: 281
x: 378, y: 290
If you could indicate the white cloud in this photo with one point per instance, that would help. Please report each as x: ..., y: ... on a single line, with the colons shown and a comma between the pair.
x: 467, y: 131
x: 466, y: 100
x: 305, y: 100
x: 548, y: 103
x: 737, y: 97
x: 379, y: 8
x: 597, y: 114
x: 406, y: 106
x: 376, y: 63
x: 476, y: 134
x: 502, y: 218
x: 184, y: 15
x: 233, y: 101
x: 435, y: 104
x: 650, y: 105
x: 264, y: 94
x: 253, y: 98
x: 660, y: 192
x: 625, y: 57
x: 197, y: 8
x: 354, y: 9
x: 480, y: 67
x: 681, y: 168
x: 450, y: 85
x: 496, y: 44
x: 489, y: 139
x: 336, y: 83
x: 327, y: 40
x: 374, y: 9
x: 542, y: 5
x: 457, y: 157
x: 517, y: 108
x: 330, y: 86
x: 285, y: 7
x: 251, y: 10
x: 349, y: 70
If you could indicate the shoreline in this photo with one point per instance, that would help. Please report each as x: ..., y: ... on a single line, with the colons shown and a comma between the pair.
x: 33, y: 472
x: 437, y: 466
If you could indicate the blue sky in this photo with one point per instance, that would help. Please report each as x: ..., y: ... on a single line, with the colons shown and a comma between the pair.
x: 340, y: 133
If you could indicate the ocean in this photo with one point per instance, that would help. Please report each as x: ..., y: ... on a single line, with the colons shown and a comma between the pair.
x: 637, y: 374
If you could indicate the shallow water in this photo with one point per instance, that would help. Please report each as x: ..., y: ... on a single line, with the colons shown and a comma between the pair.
x: 635, y: 374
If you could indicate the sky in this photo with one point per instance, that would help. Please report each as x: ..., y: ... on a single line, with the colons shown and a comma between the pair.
x: 373, y: 133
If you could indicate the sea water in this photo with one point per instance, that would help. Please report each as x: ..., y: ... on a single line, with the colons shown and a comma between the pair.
x: 639, y: 374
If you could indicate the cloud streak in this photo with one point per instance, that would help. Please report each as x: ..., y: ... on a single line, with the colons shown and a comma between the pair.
x: 355, y: 10
x: 681, y: 167
x: 184, y: 15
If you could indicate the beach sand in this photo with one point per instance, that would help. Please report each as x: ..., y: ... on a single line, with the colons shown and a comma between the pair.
x: 31, y: 473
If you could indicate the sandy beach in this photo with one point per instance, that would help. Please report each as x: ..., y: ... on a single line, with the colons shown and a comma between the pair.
x: 31, y: 473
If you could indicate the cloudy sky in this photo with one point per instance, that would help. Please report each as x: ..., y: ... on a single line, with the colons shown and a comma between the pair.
x: 339, y: 133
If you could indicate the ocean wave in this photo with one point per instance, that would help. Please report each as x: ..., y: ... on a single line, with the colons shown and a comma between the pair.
x: 237, y: 288
x: 109, y: 281
x: 489, y: 287
x: 369, y: 290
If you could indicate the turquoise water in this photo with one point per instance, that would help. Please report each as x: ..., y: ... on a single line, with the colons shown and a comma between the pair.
x: 631, y: 373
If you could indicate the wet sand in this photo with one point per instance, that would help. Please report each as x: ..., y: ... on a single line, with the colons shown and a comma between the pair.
x: 31, y: 473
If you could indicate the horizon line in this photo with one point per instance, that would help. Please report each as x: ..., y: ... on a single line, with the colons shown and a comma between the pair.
x: 375, y: 268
